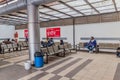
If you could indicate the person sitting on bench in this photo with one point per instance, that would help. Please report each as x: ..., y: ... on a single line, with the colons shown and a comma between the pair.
x: 61, y: 42
x: 50, y: 42
x: 44, y: 44
x: 92, y: 44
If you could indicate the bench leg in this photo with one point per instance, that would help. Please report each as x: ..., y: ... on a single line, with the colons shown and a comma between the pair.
x: 64, y: 53
x: 97, y: 50
x: 46, y: 59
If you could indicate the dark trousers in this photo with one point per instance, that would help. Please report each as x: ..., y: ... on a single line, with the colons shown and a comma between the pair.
x: 90, y: 47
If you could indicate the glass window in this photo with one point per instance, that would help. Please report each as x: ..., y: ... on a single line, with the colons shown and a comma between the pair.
x: 59, y: 6
x: 72, y: 12
x: 82, y: 7
x: 107, y: 10
x: 76, y: 3
x: 104, y: 8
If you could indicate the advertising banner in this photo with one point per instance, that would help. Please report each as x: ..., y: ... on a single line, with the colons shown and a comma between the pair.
x: 53, y: 32
x: 25, y: 33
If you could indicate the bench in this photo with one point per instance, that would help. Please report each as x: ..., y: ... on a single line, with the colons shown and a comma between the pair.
x: 81, y: 46
x: 66, y: 47
x: 50, y: 51
x: 7, y: 48
x: 4, y: 48
x: 104, y: 45
x: 23, y: 45
x: 112, y: 46
x: 57, y: 43
x: 56, y: 50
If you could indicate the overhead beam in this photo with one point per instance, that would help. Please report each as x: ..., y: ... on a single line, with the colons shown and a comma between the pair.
x: 49, y: 15
x: 56, y: 10
x: 92, y: 6
x: 14, y: 15
x: 4, y: 1
x: 40, y: 16
x: 21, y: 4
x: 26, y: 14
x: 45, y: 18
x: 19, y: 12
x: 8, y: 17
x: 10, y: 20
x: 11, y: 23
x: 72, y: 8
x: 115, y: 5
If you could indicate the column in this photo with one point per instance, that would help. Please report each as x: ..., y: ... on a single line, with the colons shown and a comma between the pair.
x: 74, y: 34
x: 34, y: 30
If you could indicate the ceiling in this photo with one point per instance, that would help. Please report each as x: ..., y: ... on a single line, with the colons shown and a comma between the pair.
x: 62, y: 9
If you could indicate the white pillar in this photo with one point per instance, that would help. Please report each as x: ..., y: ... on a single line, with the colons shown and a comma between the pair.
x: 34, y: 30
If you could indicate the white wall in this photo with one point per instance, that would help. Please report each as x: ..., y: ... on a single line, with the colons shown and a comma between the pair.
x: 102, y: 30
x: 99, y: 30
x: 66, y: 31
x: 7, y: 31
x: 20, y: 34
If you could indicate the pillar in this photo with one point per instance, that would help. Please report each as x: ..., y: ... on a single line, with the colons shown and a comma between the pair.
x: 34, y: 30
x: 74, y: 34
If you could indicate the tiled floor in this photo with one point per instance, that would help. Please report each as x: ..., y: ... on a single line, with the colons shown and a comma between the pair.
x: 77, y: 66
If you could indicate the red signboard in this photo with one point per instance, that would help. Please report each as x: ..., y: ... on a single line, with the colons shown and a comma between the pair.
x: 16, y: 35
x: 53, y: 32
x: 25, y: 33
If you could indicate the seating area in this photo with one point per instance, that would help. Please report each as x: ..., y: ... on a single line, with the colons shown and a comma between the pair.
x: 109, y: 46
x: 80, y: 45
x: 59, y: 39
x: 7, y: 49
x: 99, y: 47
x: 13, y: 47
x: 55, y: 50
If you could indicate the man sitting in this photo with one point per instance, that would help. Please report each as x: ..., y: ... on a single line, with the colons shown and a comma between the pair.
x: 50, y: 42
x: 44, y: 44
x: 92, y: 44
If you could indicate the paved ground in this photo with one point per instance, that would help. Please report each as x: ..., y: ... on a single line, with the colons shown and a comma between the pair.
x: 76, y: 66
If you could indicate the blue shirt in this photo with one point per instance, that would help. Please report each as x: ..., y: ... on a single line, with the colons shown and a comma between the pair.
x: 92, y: 43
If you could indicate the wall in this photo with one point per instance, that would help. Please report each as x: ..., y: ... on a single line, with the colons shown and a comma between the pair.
x: 7, y: 31
x: 98, y: 30
x: 66, y: 31
x: 20, y: 34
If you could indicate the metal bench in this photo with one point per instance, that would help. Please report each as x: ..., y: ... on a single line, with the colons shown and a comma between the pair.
x: 51, y: 51
x: 23, y: 45
x: 112, y: 46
